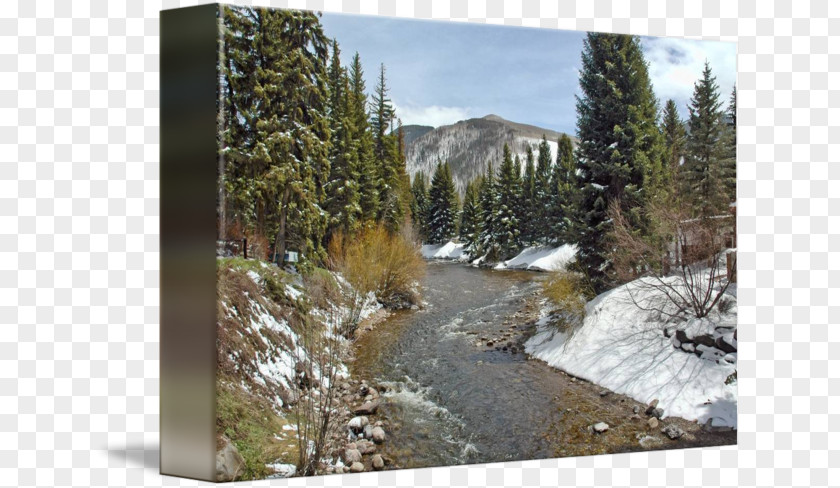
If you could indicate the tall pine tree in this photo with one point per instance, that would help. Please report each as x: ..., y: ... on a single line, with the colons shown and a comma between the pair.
x: 278, y: 137
x: 528, y: 220
x: 487, y: 201
x: 342, y: 191
x: 620, y: 151
x: 369, y: 179
x: 565, y: 197
x: 709, y: 165
x: 390, y: 166
x: 506, y: 221
x: 673, y: 131
x: 542, y: 192
x: 420, y: 205
x: 470, y: 227
x: 443, y: 205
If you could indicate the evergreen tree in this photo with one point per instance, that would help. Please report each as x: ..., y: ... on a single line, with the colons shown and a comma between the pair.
x: 369, y: 178
x: 542, y: 192
x: 420, y: 205
x: 487, y: 202
x: 709, y: 165
x: 280, y: 138
x: 386, y: 154
x: 527, y: 219
x: 443, y: 205
x: 342, y: 191
x: 620, y: 150
x: 731, y: 123
x: 506, y: 222
x: 673, y: 131
x: 470, y: 225
x: 565, y: 198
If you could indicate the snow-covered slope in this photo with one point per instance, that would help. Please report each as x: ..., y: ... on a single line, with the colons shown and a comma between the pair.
x: 469, y: 144
x: 541, y: 258
x: 623, y: 348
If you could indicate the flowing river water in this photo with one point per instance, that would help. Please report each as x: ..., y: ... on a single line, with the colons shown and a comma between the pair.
x: 451, y: 400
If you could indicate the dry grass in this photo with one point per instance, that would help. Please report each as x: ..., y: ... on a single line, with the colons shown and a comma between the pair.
x: 568, y: 291
x: 375, y: 260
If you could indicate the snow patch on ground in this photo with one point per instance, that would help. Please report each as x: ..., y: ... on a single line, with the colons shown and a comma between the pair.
x: 622, y: 348
x: 541, y: 258
x: 450, y: 250
x: 282, y: 470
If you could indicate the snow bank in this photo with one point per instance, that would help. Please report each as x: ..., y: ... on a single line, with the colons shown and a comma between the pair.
x: 620, y: 347
x: 450, y: 250
x: 541, y: 258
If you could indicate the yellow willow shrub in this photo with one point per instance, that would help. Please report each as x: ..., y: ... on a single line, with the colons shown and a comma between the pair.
x: 375, y: 260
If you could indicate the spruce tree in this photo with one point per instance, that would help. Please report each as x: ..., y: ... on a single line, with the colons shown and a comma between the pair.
x: 565, y: 198
x: 528, y: 219
x: 443, y: 205
x: 487, y: 202
x: 470, y: 225
x: 342, y: 191
x: 390, y: 168
x: 369, y: 179
x: 506, y: 222
x: 420, y: 205
x: 542, y: 191
x: 673, y: 132
x: 620, y: 150
x: 709, y: 165
x: 279, y: 147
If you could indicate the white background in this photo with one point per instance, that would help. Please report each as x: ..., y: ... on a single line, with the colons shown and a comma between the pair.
x: 79, y: 261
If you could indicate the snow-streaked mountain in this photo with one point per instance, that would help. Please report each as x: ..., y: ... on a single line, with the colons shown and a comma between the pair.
x: 412, y: 132
x: 469, y: 144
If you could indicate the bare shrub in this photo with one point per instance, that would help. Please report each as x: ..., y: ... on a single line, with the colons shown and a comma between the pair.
x: 317, y: 363
x: 681, y: 260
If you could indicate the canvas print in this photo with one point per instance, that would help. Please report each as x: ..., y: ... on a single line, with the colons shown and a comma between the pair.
x: 445, y: 243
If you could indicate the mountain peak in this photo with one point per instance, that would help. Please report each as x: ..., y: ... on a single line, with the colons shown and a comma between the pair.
x: 494, y: 117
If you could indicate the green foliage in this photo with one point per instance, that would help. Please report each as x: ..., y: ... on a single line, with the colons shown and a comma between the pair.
x: 342, y: 190
x: 620, y: 150
x: 528, y: 219
x: 470, y: 225
x: 709, y: 172
x: 565, y: 195
x: 443, y: 205
x: 276, y: 138
x: 505, y: 217
x: 542, y: 193
x: 420, y: 205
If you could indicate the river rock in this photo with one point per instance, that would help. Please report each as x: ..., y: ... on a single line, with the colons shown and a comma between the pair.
x: 378, y: 435
x: 651, y: 406
x: 357, y: 424
x: 722, y: 344
x: 673, y: 432
x: 653, y: 423
x: 377, y: 462
x: 368, y: 431
x: 365, y: 447
x: 357, y: 467
x: 367, y: 408
x: 352, y: 456
x: 636, y: 409
x: 601, y: 427
x: 604, y: 393
x: 229, y: 463
x: 680, y: 336
x: 658, y: 413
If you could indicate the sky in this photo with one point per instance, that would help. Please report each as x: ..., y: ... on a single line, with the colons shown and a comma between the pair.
x: 440, y: 72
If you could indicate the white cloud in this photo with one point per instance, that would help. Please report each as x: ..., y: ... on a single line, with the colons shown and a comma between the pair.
x: 434, y: 115
x: 675, y: 64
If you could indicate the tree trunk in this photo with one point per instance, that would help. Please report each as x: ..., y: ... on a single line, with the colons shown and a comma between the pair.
x: 280, y: 239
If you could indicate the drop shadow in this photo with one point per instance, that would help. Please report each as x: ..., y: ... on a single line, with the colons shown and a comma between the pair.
x: 145, y: 456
